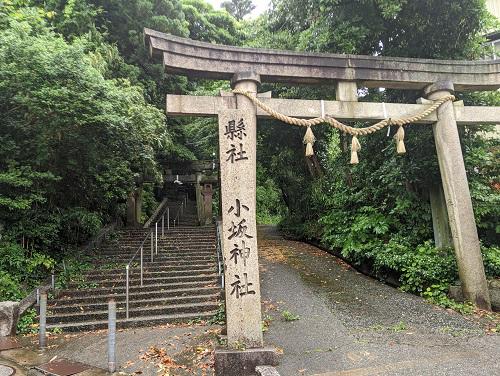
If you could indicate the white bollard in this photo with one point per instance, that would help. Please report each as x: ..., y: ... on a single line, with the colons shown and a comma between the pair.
x: 111, y: 336
x: 42, y: 333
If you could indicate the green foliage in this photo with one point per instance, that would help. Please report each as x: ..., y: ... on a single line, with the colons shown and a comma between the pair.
x: 399, y: 327
x: 27, y: 323
x: 20, y: 269
x: 388, y: 27
x: 437, y: 294
x: 72, y: 144
x: 10, y: 288
x: 210, y: 25
x: 289, y: 316
x: 219, y: 318
x: 491, y: 259
x: 73, y: 269
x: 238, y: 8
x: 270, y: 206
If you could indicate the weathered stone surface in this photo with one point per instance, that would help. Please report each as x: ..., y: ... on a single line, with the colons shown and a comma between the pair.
x: 493, y: 286
x: 9, y: 314
x: 243, y: 363
x: 440, y: 224
x: 190, y: 105
x: 239, y: 229
x: 6, y: 370
x: 131, y: 217
x: 207, y: 60
x: 207, y: 193
x: 266, y: 371
x: 458, y: 201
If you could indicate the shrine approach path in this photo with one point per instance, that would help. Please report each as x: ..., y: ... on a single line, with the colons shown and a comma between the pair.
x: 330, y: 320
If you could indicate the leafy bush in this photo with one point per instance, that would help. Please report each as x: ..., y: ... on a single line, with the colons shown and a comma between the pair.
x: 491, y: 259
x: 20, y: 269
x: 27, y: 323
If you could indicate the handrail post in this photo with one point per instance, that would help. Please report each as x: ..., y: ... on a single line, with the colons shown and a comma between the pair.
x: 163, y: 225
x: 168, y: 218
x: 127, y: 290
x: 142, y: 266
x: 152, y: 246
x: 156, y: 238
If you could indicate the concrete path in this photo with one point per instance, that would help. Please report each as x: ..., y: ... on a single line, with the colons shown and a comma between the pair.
x: 163, y: 350
x: 353, y: 325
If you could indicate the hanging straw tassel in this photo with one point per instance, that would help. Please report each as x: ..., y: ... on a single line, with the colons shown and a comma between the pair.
x: 400, y: 144
x: 309, y: 141
x: 355, y: 147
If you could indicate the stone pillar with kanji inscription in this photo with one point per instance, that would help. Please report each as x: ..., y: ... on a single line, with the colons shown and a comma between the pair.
x: 237, y: 145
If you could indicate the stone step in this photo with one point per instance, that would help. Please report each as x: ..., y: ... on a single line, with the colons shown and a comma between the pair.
x: 161, y: 248
x: 136, y: 295
x: 164, y: 259
x: 168, y: 234
x: 134, y: 321
x: 134, y: 272
x: 135, y: 281
x: 133, y: 312
x: 56, y: 309
x: 161, y: 254
x: 151, y: 269
x: 155, y: 265
x: 120, y: 289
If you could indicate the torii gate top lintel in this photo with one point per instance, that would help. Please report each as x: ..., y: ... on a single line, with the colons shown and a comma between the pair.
x: 211, y: 61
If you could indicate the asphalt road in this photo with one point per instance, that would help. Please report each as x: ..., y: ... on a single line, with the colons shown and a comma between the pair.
x: 350, y: 324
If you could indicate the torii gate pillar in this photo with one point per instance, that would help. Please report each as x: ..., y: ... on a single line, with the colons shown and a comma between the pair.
x: 237, y: 155
x: 458, y: 200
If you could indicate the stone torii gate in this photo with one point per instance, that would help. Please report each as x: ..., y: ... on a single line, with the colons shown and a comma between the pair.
x: 247, y: 68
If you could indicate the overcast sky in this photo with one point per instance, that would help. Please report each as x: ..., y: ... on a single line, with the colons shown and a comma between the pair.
x: 260, y: 5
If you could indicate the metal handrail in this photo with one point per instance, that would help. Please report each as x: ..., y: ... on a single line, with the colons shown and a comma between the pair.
x: 127, y: 269
x: 153, y: 233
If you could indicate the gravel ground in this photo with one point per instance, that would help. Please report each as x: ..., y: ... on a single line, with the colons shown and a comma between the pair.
x: 351, y: 324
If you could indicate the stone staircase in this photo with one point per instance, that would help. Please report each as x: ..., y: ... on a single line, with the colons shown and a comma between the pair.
x: 181, y: 284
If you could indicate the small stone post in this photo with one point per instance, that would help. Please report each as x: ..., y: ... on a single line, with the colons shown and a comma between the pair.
x: 131, y: 218
x: 207, y: 193
x: 458, y: 200
x: 138, y: 205
x: 199, y: 199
